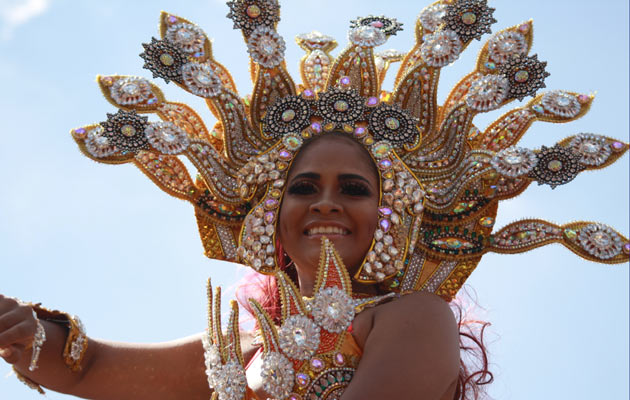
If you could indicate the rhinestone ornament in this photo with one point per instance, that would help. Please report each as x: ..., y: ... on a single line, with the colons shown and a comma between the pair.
x: 556, y: 166
x: 441, y: 48
x: 432, y: 17
x: 247, y: 15
x: 367, y: 36
x: 488, y: 93
x: 129, y: 91
x: 514, y: 161
x: 333, y: 309
x: 469, y: 19
x: 163, y: 59
x: 299, y: 337
x: 525, y: 74
x: 99, y: 145
x: 277, y: 374
x: 201, y: 80
x: 560, y: 103
x: 166, y: 137
x: 125, y: 130
x: 504, y: 45
x: 266, y: 47
x: 188, y: 37
x: 593, y: 149
x: 600, y: 241
x: 287, y: 114
x: 389, y: 26
x: 393, y: 124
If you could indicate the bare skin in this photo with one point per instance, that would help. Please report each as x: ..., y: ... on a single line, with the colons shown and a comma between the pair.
x: 411, y: 345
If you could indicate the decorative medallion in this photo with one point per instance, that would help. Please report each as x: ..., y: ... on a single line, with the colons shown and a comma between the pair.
x: 600, y: 241
x: 125, y: 130
x: 188, y: 37
x: 287, y: 114
x: 488, y: 93
x: 266, y: 47
x: 367, y: 36
x: 504, y: 45
x: 130, y: 90
x: 230, y: 382
x: 514, y: 161
x: 164, y: 60
x: 333, y: 309
x: 314, y: 40
x: 299, y: 337
x: 166, y: 137
x: 277, y: 374
x: 561, y: 103
x: 525, y: 74
x: 340, y: 106
x: 99, y: 145
x: 389, y: 26
x: 556, y: 166
x: 392, y: 123
x: 330, y: 384
x: 433, y: 16
x: 201, y: 80
x: 441, y: 48
x: 249, y: 15
x: 469, y: 19
x: 593, y: 149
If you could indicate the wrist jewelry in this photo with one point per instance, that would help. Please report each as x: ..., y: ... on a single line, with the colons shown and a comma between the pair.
x: 28, y: 382
x: 38, y: 342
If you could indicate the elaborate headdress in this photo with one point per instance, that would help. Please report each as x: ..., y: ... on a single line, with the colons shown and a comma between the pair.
x: 441, y: 177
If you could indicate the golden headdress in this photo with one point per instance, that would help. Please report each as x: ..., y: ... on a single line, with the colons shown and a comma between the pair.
x: 441, y: 177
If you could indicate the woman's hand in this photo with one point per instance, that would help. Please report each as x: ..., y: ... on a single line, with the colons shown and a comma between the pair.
x: 17, y: 328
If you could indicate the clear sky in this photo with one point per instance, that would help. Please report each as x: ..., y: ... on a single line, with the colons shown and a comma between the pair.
x: 104, y: 243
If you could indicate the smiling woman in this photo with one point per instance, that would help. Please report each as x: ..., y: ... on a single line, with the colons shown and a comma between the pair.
x: 329, y: 174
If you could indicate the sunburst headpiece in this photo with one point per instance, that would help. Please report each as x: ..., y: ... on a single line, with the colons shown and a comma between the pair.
x: 441, y: 177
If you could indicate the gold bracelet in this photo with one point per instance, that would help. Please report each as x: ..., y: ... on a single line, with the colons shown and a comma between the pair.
x: 28, y: 382
x: 76, y: 342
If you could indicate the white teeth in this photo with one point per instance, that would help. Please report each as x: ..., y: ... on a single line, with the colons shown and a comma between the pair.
x: 330, y: 230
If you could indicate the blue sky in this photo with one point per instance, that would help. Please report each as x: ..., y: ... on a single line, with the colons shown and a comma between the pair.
x: 103, y: 242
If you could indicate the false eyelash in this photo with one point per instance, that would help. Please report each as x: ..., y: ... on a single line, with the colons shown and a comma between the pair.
x: 303, y: 188
x: 355, y: 189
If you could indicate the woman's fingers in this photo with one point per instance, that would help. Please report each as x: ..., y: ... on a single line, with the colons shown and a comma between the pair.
x: 18, y: 333
x: 11, y: 354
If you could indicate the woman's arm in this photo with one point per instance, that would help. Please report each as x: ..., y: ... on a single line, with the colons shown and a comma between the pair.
x: 411, y: 351
x: 116, y: 371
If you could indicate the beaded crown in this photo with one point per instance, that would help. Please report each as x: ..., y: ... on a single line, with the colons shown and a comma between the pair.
x: 441, y: 177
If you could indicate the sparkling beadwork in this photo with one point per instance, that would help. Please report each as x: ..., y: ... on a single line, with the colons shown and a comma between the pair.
x: 393, y: 124
x: 487, y: 93
x: 277, y: 375
x: 333, y: 309
x: 367, y: 36
x: 130, y: 90
x: 266, y: 47
x: 288, y: 115
x: 560, y: 103
x: 188, y: 37
x: 201, y: 80
x: 381, y: 149
x: 166, y: 137
x: 292, y: 142
x: 299, y: 337
x: 514, y: 161
x: 389, y: 26
x: 504, y: 45
x: 469, y: 18
x: 125, y: 130
x: 441, y: 48
x: 593, y: 149
x: 164, y: 59
x: 600, y: 241
x: 341, y: 106
x: 486, y: 222
x: 556, y: 166
x: 431, y: 17
x: 99, y: 145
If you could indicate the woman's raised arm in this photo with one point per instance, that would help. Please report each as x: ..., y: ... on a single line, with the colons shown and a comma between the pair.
x: 110, y: 370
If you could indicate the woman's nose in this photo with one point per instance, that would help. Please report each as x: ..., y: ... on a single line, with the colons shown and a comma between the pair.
x: 326, y: 204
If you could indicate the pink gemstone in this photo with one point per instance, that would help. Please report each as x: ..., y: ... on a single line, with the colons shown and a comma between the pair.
x: 626, y: 248
x: 385, y: 164
x: 345, y: 81
x: 316, y: 127
x: 385, y: 225
x: 80, y: 131
x: 270, y: 217
x: 339, y: 359
x: 372, y: 101
x: 360, y: 131
x: 524, y: 28
x: 377, y: 24
x: 172, y: 19
x: 617, y: 145
x: 385, y: 211
x: 302, y: 379
x: 271, y: 203
x: 583, y: 99
x: 285, y: 155
x: 316, y: 363
x: 308, y: 93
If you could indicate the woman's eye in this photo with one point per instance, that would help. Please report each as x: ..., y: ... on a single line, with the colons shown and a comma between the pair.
x: 302, y: 188
x: 355, y: 189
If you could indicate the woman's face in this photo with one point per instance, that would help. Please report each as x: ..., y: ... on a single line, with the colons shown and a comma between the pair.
x: 332, y: 191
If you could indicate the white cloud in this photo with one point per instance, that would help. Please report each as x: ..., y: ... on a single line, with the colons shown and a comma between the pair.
x: 14, y: 13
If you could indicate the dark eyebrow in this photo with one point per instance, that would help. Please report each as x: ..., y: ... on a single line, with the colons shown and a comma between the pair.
x: 307, y: 175
x: 342, y: 177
